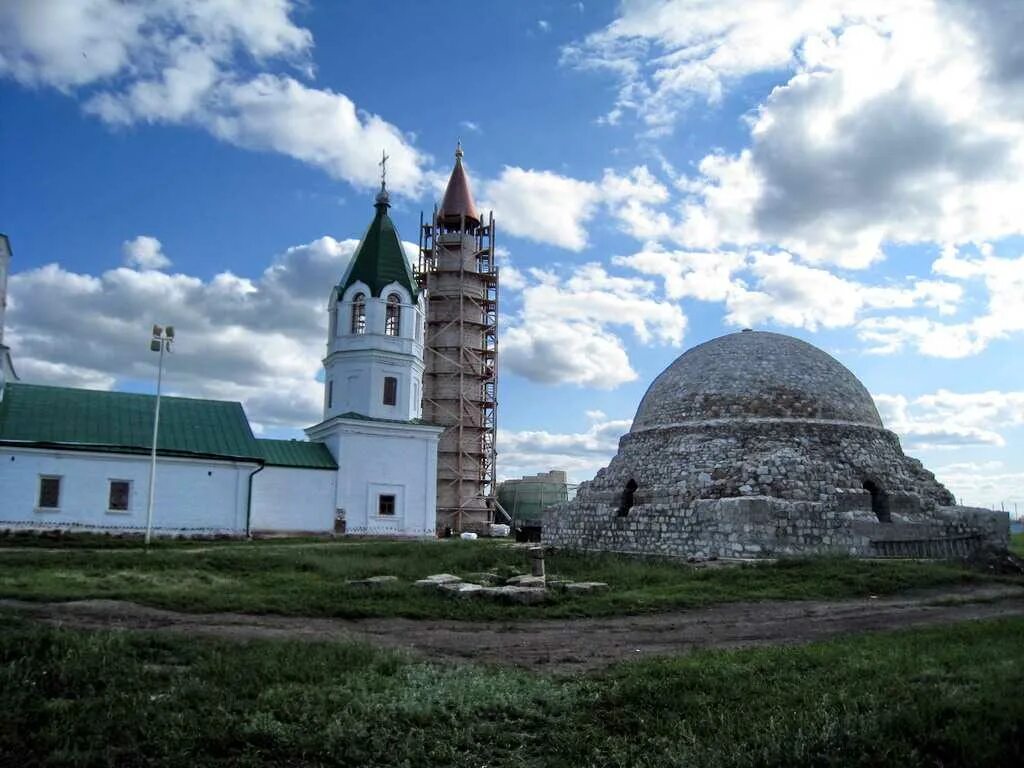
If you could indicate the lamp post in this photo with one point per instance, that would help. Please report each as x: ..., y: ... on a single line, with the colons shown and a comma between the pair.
x: 161, y: 342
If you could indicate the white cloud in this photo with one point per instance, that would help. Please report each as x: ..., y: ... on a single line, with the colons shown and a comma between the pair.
x: 704, y: 275
x: 895, y: 121
x: 795, y: 295
x: 947, y: 419
x: 258, y: 340
x: 668, y: 53
x: 547, y: 207
x: 581, y: 454
x: 317, y: 126
x: 543, y: 206
x: 144, y: 252
x: 784, y: 291
x: 205, y: 64
x: 563, y: 330
x: 543, y: 25
x: 988, y: 484
x: 1003, y: 279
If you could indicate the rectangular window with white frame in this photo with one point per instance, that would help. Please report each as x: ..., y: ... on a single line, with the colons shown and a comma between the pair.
x: 386, y: 505
x: 49, y: 492
x: 120, y: 496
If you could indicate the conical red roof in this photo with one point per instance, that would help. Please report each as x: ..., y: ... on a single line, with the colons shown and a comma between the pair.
x: 458, y: 199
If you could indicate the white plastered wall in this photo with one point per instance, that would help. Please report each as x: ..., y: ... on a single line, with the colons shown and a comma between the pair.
x: 373, y: 459
x: 197, y: 496
x: 293, y: 500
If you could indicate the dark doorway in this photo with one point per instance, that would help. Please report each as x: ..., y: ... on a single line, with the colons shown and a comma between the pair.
x: 879, y: 501
x: 627, y: 499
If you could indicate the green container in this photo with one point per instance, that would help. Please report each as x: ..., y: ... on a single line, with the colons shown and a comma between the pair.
x: 526, y: 499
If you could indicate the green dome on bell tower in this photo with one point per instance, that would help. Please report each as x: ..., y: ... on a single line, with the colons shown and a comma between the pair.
x: 380, y: 259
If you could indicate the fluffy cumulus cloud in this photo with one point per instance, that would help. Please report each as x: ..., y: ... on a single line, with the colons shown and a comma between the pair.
x: 568, y: 329
x: 984, y: 484
x: 895, y: 121
x: 1003, y: 280
x: 145, y: 252
x: 547, y: 207
x: 239, y: 69
x: 580, y: 454
x: 256, y: 340
x: 760, y: 288
x: 946, y: 425
x: 946, y: 419
x: 543, y: 206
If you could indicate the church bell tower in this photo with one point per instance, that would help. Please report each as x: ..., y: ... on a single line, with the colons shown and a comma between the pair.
x: 374, y: 363
x: 373, y: 379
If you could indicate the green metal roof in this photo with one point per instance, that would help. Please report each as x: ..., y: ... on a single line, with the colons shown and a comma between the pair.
x: 360, y: 417
x: 83, y: 417
x: 123, y: 422
x: 296, y: 453
x: 380, y: 259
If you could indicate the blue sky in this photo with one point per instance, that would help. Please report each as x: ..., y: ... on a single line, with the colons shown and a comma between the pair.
x: 660, y: 172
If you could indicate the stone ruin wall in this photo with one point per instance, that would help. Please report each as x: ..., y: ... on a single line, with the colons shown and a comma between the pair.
x: 749, y: 489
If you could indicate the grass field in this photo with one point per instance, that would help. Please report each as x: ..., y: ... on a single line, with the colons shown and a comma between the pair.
x: 943, y: 697
x: 309, y: 579
x: 1017, y: 543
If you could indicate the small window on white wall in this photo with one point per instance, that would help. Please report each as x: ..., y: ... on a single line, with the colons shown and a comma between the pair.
x: 330, y: 394
x: 49, y: 492
x: 120, y: 495
x: 386, y: 505
x: 390, y: 390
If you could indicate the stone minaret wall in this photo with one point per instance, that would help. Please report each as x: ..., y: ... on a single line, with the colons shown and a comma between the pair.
x: 460, y: 356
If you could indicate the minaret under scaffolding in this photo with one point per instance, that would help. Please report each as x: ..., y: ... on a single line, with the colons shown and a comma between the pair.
x: 457, y: 270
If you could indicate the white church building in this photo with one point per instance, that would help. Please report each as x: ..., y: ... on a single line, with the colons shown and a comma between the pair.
x: 77, y: 459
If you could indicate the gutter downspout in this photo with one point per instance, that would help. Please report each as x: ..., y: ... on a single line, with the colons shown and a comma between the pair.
x: 248, y: 501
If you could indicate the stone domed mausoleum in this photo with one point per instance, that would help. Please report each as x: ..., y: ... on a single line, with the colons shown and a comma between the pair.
x: 758, y: 444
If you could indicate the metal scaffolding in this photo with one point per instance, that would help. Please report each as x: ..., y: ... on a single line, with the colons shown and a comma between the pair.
x: 460, y: 381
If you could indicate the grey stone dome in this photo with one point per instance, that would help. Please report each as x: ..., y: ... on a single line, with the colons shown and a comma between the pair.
x: 755, y: 375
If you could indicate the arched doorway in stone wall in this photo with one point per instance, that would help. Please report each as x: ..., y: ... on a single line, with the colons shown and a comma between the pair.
x: 626, y: 502
x: 879, y: 501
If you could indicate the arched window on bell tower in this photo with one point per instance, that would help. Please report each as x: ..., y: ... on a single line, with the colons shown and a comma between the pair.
x: 359, y: 313
x: 393, y: 316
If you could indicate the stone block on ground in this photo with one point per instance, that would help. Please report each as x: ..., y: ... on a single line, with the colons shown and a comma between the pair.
x: 443, y: 578
x: 461, y: 589
x: 580, y: 587
x: 486, y: 578
x: 438, y: 580
x: 527, y: 581
x: 515, y: 595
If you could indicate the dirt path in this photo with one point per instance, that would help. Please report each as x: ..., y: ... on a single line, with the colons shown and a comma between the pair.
x: 565, y: 645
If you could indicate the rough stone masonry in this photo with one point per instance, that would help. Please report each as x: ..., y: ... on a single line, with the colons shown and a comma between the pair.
x: 758, y: 444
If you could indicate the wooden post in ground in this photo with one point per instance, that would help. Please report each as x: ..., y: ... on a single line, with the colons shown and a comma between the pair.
x: 537, y: 561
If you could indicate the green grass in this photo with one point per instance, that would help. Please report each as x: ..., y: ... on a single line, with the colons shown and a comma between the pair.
x: 1017, y: 544
x: 938, y: 697
x: 310, y: 579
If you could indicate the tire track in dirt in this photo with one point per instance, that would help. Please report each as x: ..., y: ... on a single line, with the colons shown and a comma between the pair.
x: 563, y: 645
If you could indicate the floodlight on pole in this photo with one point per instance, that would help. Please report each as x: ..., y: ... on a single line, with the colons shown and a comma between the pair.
x: 160, y: 342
